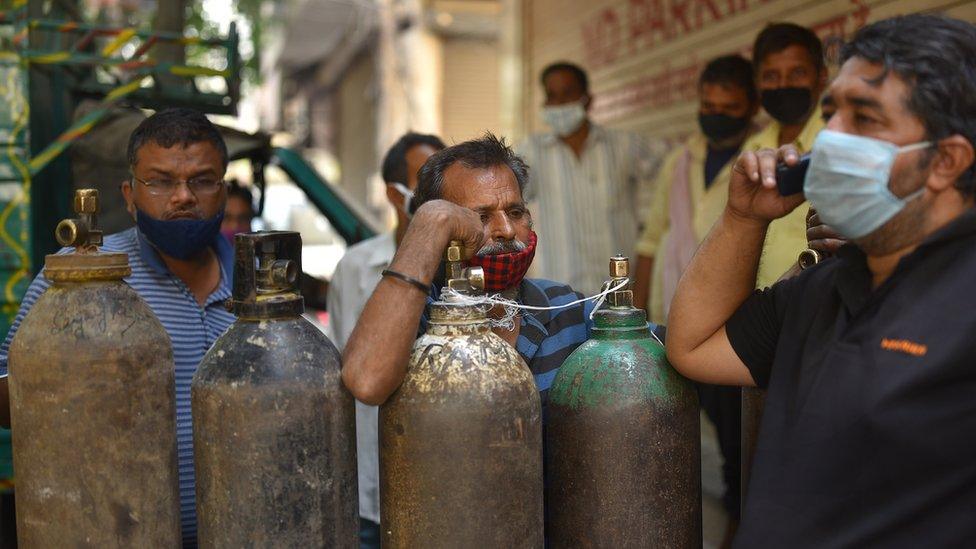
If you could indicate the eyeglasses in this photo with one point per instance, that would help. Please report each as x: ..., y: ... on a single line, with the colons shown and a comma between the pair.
x: 199, y: 186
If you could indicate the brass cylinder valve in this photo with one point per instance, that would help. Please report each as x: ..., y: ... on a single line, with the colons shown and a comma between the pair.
x: 86, y: 263
x: 82, y: 232
x: 620, y: 274
x: 470, y: 280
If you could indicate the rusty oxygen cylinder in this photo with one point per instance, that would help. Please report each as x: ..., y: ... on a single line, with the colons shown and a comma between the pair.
x: 274, y: 433
x: 461, y: 439
x: 623, y: 438
x: 93, y: 404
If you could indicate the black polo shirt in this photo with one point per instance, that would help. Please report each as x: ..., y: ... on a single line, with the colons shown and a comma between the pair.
x: 869, y: 432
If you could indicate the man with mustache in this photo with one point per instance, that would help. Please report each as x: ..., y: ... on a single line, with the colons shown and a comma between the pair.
x: 470, y: 192
x: 181, y: 265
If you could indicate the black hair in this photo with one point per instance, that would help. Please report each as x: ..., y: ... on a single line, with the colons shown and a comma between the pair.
x: 177, y: 126
x: 395, y: 162
x: 776, y: 37
x: 235, y: 189
x: 732, y: 70
x: 936, y: 57
x: 486, y: 152
x: 573, y: 68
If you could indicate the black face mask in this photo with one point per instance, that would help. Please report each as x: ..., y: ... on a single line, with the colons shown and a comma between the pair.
x: 719, y: 127
x: 788, y: 105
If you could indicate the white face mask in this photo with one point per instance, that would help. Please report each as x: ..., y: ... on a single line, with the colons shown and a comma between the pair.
x: 847, y: 182
x: 564, y: 119
x: 407, y: 197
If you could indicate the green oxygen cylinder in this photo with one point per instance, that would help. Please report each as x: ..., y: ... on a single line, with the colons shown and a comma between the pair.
x: 624, y: 447
x: 273, y: 426
x: 93, y: 404
x: 461, y: 439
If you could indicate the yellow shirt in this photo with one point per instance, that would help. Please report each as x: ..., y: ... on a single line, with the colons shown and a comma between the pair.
x: 786, y: 237
x: 707, y: 206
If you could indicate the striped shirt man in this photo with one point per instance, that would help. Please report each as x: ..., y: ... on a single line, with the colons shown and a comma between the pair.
x: 587, y: 208
x: 191, y: 329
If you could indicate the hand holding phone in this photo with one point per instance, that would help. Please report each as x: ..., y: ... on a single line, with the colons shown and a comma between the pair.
x: 789, y: 179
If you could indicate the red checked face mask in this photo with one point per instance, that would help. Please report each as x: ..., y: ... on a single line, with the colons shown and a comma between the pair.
x: 506, y: 270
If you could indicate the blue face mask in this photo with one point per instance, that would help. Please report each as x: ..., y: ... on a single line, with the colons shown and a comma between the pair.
x: 847, y: 182
x: 179, y: 238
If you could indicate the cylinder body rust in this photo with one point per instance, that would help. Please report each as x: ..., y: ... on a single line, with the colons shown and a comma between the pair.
x: 461, y: 442
x: 623, y: 439
x: 273, y: 427
x: 92, y: 394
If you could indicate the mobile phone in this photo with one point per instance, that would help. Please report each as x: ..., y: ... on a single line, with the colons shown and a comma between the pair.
x: 789, y: 179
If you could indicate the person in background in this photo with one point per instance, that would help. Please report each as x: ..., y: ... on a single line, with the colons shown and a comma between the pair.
x: 239, y: 212
x: 689, y: 196
x: 867, y: 357
x: 356, y: 275
x: 587, y: 183
x: 181, y: 265
x: 791, y: 76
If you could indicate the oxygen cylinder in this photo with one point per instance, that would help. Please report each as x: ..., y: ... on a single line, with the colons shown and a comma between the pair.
x: 273, y: 427
x: 93, y: 404
x: 623, y: 438
x: 461, y: 439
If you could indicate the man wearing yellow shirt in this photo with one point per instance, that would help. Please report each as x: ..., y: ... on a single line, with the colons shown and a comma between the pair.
x: 690, y: 194
x: 692, y: 185
x: 790, y: 75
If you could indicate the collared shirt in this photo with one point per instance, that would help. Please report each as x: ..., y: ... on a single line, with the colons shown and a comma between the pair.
x: 192, y: 330
x: 869, y: 432
x: 588, y: 208
x: 355, y: 278
x: 787, y: 236
x: 707, y: 204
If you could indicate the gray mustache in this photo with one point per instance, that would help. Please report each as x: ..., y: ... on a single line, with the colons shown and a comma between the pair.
x: 502, y: 247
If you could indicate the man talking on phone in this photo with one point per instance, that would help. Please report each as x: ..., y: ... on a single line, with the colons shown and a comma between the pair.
x: 867, y: 436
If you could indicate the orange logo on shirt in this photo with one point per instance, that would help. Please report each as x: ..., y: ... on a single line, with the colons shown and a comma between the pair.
x: 904, y: 346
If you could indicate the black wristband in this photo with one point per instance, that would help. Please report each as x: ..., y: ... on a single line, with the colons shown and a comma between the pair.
x: 409, y: 280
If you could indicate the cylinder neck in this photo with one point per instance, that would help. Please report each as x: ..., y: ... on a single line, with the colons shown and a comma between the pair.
x: 459, y: 318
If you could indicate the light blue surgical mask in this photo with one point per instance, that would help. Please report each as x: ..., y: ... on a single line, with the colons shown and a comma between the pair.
x: 847, y: 182
x: 564, y: 119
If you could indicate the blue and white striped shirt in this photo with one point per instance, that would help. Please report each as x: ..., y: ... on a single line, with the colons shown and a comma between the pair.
x: 191, y: 329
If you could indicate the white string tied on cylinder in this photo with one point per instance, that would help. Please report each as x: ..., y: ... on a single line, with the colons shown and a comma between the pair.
x: 512, y: 307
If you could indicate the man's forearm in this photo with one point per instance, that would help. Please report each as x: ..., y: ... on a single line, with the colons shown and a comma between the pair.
x: 375, y: 359
x: 720, y: 277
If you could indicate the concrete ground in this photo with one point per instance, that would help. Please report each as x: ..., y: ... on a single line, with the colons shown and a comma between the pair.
x: 714, y: 518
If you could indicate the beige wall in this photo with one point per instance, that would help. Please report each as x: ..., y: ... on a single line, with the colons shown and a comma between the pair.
x: 644, y: 56
x: 356, y: 108
x: 470, y: 99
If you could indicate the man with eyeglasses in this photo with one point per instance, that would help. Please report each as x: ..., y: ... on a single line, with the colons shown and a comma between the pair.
x: 181, y: 265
